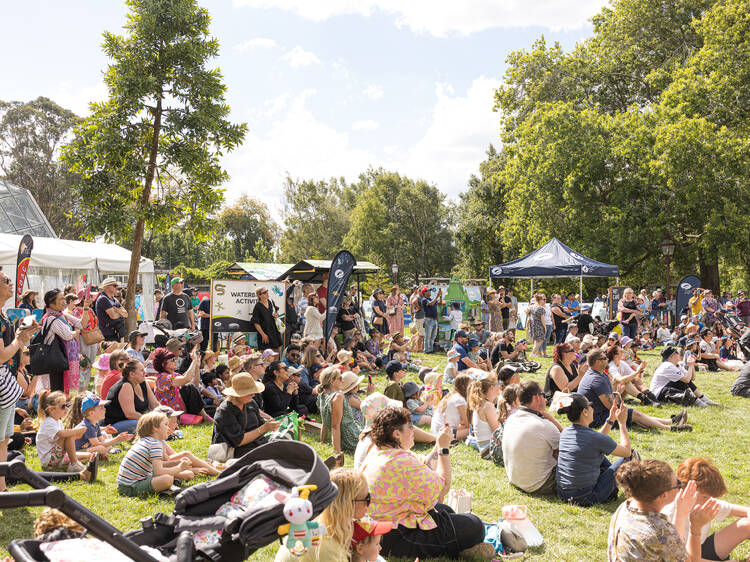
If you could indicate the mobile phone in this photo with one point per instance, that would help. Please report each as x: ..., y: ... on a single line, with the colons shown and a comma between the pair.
x: 88, y: 291
x: 369, y: 379
x: 618, y: 399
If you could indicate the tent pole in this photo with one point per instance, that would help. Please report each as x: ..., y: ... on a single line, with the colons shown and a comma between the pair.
x: 580, y: 289
x: 532, y: 289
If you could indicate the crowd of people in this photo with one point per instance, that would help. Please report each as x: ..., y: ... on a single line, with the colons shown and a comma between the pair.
x: 115, y: 399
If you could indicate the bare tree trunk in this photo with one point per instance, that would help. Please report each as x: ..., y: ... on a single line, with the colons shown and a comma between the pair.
x: 135, y: 252
x: 709, y: 273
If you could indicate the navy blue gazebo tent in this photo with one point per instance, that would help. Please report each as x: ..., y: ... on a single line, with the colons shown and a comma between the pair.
x: 554, y: 259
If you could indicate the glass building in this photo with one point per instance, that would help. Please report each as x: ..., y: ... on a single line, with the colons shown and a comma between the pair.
x: 20, y: 214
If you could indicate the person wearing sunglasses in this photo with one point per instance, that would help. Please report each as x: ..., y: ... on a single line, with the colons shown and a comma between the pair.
x: 280, y: 394
x: 109, y: 312
x: 584, y: 474
x: 639, y: 531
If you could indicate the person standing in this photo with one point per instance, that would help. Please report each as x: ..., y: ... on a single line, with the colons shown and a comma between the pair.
x: 204, y: 315
x: 742, y: 306
x: 109, y: 312
x: 628, y: 309
x: 429, y: 305
x: 65, y: 326
x: 395, y: 310
x: 559, y: 316
x: 322, y: 293
x: 176, y: 306
x: 264, y: 321
x: 513, y: 309
x: 505, y: 306
x: 417, y: 315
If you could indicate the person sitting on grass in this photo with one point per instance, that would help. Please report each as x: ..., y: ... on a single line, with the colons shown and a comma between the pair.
x: 597, y: 388
x: 710, y: 352
x: 179, y: 392
x: 172, y: 458
x: 562, y: 375
x: 451, y: 366
x: 584, y: 474
x: 452, y: 410
x: 55, y: 445
x: 87, y: 411
x: 629, y: 381
x: 482, y: 396
x: 238, y: 421
x: 142, y: 471
x: 530, y: 442
x: 421, y: 412
x: 710, y: 484
x: 336, y: 412
x: 671, y: 377
x: 639, y: 531
x: 395, y: 372
x: 405, y: 490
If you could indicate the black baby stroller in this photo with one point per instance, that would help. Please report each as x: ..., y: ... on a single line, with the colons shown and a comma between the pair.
x: 201, y: 528
x: 163, y: 332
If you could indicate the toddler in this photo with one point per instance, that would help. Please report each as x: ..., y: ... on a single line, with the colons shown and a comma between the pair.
x: 451, y: 366
x: 55, y: 445
x: 366, y: 540
x: 172, y: 458
x: 87, y: 411
x: 421, y: 412
x: 452, y: 410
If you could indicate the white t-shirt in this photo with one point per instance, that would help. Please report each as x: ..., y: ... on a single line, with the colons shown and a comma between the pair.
x: 548, y: 315
x: 663, y: 335
x: 725, y: 510
x: 450, y: 372
x: 363, y: 448
x: 665, y: 373
x: 618, y: 372
x: 451, y: 415
x: 455, y: 317
x: 529, y: 442
x: 46, y: 438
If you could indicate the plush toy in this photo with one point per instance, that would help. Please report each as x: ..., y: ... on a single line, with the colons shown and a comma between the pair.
x: 301, y: 532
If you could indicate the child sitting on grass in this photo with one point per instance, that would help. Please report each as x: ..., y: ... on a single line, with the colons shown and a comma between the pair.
x: 366, y: 539
x: 451, y: 366
x: 172, y: 458
x: 483, y: 394
x: 55, y: 445
x: 142, y: 471
x: 452, y: 410
x: 87, y: 411
x: 421, y: 412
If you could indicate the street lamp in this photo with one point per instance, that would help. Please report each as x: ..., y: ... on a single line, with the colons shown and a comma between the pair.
x: 394, y: 269
x: 667, y: 247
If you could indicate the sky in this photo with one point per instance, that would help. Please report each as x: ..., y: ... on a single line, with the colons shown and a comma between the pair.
x: 327, y: 88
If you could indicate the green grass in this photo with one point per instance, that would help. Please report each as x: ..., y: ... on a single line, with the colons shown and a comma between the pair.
x: 570, y: 533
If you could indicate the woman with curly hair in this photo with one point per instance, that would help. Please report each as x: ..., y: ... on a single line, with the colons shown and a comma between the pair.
x: 179, y: 392
x: 406, y: 491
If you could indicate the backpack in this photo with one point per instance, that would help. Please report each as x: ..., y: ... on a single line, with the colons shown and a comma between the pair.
x: 494, y: 451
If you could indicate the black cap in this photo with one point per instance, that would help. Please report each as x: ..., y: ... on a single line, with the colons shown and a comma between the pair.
x: 667, y: 352
x: 392, y: 367
x: 460, y: 334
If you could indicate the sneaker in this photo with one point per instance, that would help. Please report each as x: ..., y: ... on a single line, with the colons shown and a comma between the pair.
x: 88, y: 474
x: 682, y: 427
x: 700, y: 403
x: 76, y: 467
x: 634, y: 456
x: 708, y: 402
x: 482, y: 550
x: 681, y: 418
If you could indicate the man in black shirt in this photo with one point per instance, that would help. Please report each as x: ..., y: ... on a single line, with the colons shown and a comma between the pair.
x: 504, y: 349
x: 506, y: 304
x: 176, y: 307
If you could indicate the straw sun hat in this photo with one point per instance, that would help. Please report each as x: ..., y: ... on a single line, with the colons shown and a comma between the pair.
x: 243, y: 384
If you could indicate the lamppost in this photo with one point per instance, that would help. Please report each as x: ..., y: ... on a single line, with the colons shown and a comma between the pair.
x: 394, y: 269
x: 667, y: 247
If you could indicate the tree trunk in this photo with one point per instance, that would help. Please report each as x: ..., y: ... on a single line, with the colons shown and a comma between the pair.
x: 709, y: 273
x: 135, y: 252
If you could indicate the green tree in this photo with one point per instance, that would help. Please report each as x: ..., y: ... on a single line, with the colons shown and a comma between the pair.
x: 402, y: 220
x: 31, y: 134
x: 149, y: 156
x: 316, y: 218
x: 249, y: 225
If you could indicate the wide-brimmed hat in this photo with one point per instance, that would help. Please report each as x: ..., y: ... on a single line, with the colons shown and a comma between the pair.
x: 108, y: 281
x: 292, y: 370
x: 350, y: 381
x: 625, y: 340
x: 102, y: 362
x: 173, y: 345
x: 243, y: 384
x: 234, y: 362
x: 344, y: 356
x: 269, y: 353
x: 410, y: 388
x: 28, y: 292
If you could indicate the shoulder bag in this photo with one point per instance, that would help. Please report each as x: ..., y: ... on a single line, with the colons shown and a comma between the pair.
x: 46, y: 359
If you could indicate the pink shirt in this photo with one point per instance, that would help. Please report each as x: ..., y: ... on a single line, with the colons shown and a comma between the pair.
x: 402, y: 487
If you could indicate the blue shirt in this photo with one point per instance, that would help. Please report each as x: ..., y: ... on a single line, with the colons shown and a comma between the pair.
x: 580, y: 456
x: 430, y: 310
x: 205, y: 306
x: 591, y: 386
x: 570, y: 304
x: 92, y: 431
x: 461, y: 354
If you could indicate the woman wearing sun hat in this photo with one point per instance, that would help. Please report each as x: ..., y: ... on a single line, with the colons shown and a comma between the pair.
x: 238, y: 422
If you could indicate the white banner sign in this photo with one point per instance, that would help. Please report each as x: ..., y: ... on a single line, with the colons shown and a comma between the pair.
x: 233, y: 301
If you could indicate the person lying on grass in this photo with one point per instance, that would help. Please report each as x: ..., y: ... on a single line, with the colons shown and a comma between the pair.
x: 172, y: 458
x: 87, y: 411
x: 710, y: 484
x: 142, y: 471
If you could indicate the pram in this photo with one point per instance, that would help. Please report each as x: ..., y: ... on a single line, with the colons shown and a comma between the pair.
x: 194, y: 531
x: 160, y: 331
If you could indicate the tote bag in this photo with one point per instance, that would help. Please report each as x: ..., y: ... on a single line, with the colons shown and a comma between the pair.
x: 45, y: 358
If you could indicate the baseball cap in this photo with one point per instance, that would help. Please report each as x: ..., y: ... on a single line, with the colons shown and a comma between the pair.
x: 689, y: 342
x: 613, y: 336
x: 473, y: 342
x: 132, y: 335
x: 392, y: 367
x: 364, y: 528
x: 92, y: 402
x: 169, y: 412
x: 176, y: 280
x: 585, y: 307
x: 667, y: 352
x: 625, y: 340
x: 173, y: 345
x: 268, y: 353
x: 461, y: 334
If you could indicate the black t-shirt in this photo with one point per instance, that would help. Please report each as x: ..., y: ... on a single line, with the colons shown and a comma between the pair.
x: 177, y: 308
x: 584, y: 321
x: 346, y: 324
x: 558, y: 320
x: 360, y: 346
x: 506, y: 347
x: 506, y: 311
x: 495, y: 356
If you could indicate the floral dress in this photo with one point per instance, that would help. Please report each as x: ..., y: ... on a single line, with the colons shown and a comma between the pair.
x: 167, y: 393
x: 350, y: 428
x: 536, y: 322
x: 636, y: 535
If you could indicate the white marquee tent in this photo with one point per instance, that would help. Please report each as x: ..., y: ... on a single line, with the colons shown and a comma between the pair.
x: 56, y: 262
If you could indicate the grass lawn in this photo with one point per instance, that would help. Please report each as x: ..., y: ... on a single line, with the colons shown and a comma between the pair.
x: 570, y: 533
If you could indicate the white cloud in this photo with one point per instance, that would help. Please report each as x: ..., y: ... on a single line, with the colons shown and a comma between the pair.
x: 373, y: 91
x: 66, y: 95
x: 256, y: 43
x: 365, y: 125
x: 298, y: 57
x: 448, y: 17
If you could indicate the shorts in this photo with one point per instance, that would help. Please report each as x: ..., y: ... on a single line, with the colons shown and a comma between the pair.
x: 58, y: 458
x: 415, y: 417
x: 628, y: 423
x: 7, y: 415
x: 138, y: 489
x: 708, y: 549
x: 419, y: 326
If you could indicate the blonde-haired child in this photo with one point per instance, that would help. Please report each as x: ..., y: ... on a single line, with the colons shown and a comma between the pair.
x: 55, y: 445
x: 506, y: 405
x: 142, y: 471
x: 483, y: 394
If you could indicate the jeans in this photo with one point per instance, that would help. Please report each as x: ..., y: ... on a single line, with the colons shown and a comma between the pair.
x: 125, y: 426
x: 454, y: 532
x: 629, y: 330
x: 547, y: 336
x: 560, y: 334
x: 430, y: 331
x: 599, y: 492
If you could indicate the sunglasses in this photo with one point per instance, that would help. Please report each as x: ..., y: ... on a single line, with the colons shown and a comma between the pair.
x: 678, y: 485
x: 367, y: 499
x: 7, y: 280
x: 65, y: 406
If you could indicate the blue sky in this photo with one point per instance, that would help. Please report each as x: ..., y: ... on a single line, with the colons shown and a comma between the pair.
x: 327, y: 87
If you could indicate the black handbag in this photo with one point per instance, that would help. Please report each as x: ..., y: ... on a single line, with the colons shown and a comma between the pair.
x: 46, y: 359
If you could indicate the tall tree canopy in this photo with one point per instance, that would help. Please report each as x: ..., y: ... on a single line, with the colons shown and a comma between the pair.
x: 31, y: 134
x: 149, y: 156
x: 249, y: 226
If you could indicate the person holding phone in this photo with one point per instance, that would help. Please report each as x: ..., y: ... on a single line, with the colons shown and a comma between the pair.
x: 585, y: 476
x: 671, y: 376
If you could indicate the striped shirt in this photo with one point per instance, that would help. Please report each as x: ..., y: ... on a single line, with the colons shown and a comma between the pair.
x: 137, y: 463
